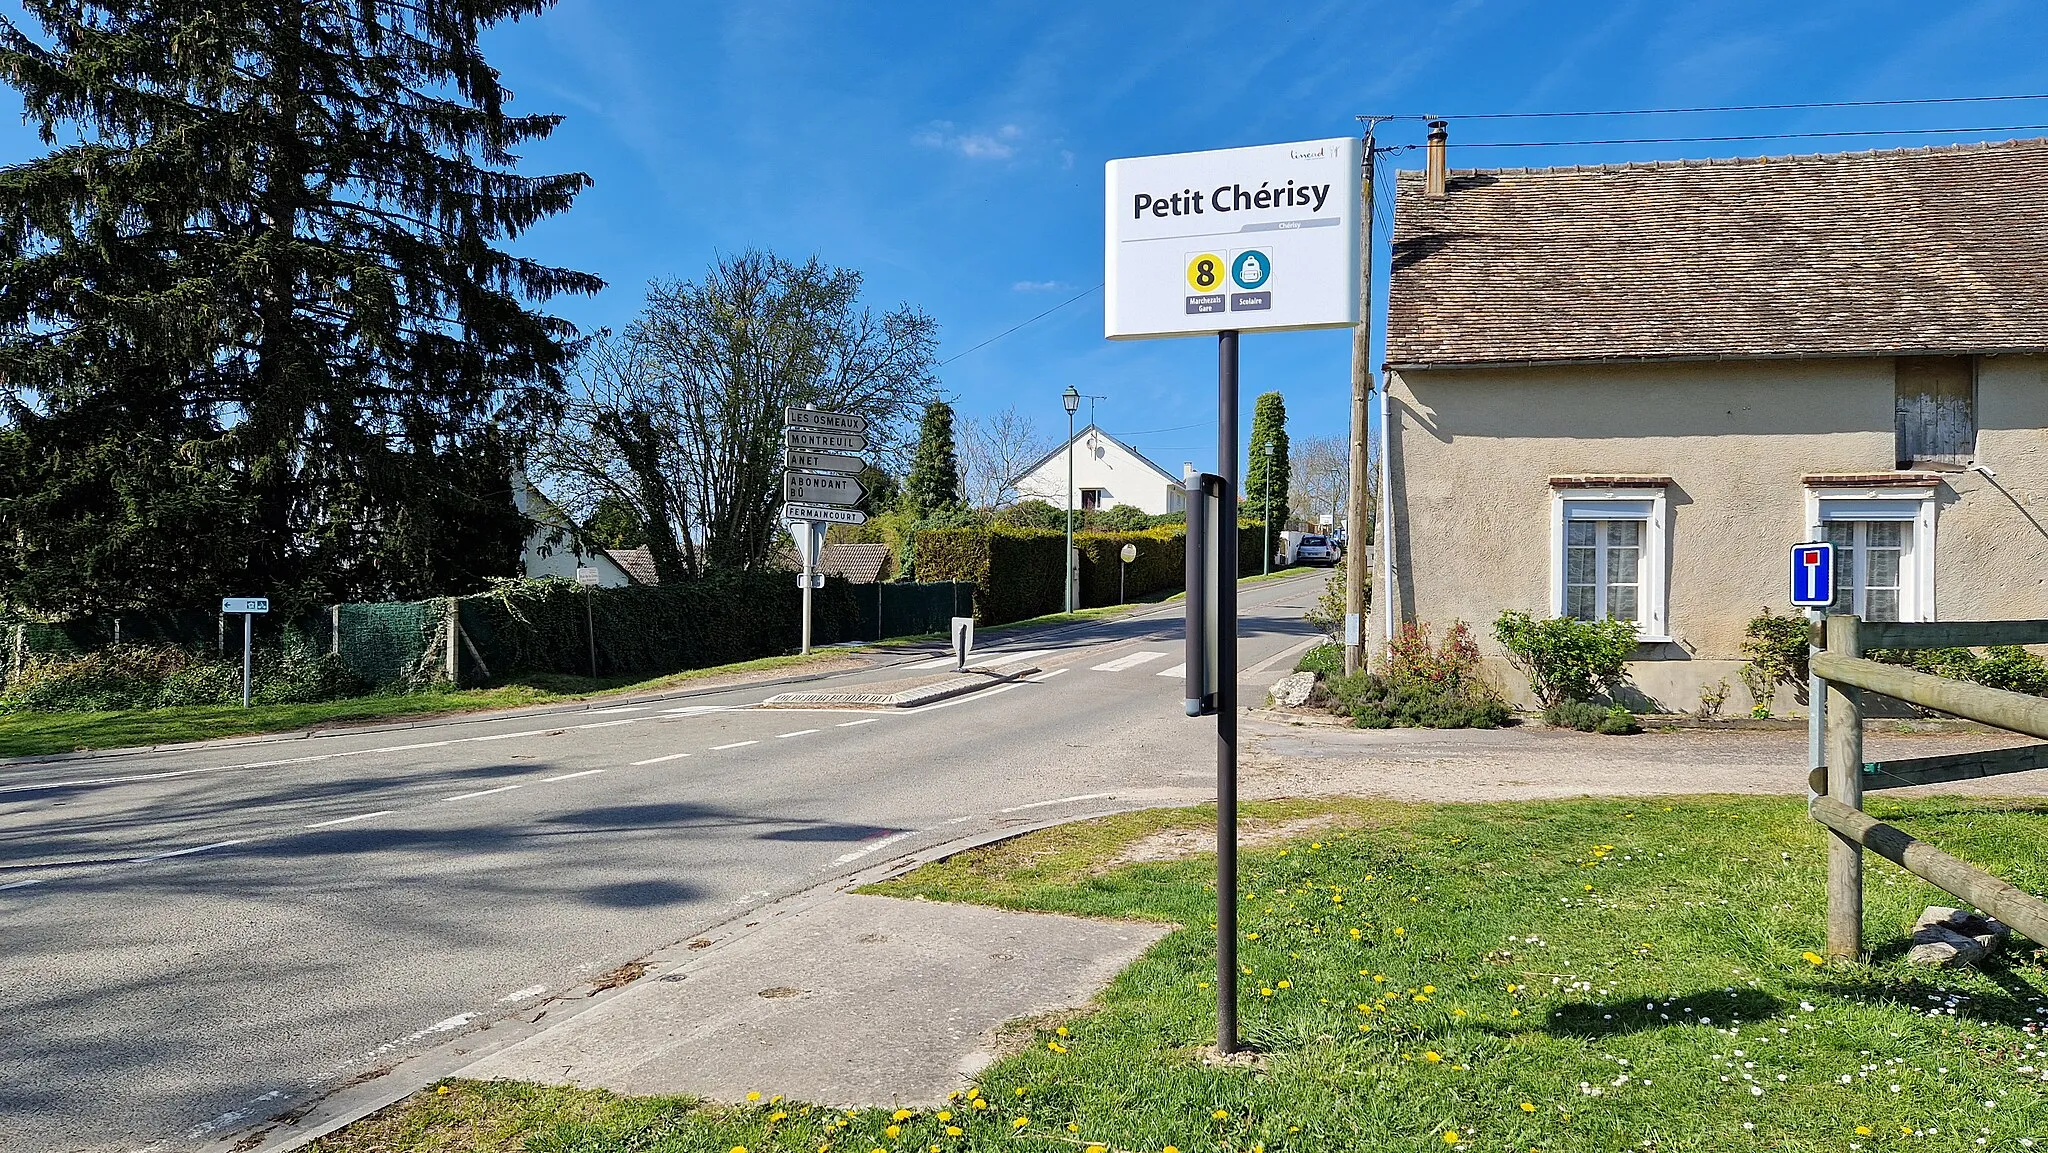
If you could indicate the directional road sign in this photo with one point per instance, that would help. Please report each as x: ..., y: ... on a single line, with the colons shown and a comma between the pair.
x: 814, y: 440
x: 825, y: 513
x: 821, y: 488
x: 1813, y: 574
x: 245, y: 604
x: 822, y: 462
x: 796, y: 417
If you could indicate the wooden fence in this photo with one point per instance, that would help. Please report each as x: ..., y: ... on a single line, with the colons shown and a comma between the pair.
x: 1839, y: 787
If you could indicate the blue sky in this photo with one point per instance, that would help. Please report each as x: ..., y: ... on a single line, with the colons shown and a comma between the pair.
x: 954, y: 152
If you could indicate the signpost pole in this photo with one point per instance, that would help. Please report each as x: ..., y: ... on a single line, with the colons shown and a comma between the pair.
x: 1226, y: 695
x: 590, y: 625
x: 807, y: 611
x: 247, y: 632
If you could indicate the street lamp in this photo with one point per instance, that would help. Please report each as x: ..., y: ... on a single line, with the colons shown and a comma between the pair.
x: 1266, y: 510
x: 1072, y: 399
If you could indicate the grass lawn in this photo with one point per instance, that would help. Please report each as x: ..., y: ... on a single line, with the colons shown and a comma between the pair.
x: 1559, y: 976
x: 25, y: 733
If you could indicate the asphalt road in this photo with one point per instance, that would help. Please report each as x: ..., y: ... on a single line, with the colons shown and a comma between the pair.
x: 194, y: 940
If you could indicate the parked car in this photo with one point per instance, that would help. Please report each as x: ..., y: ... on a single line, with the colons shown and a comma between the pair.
x: 1316, y: 550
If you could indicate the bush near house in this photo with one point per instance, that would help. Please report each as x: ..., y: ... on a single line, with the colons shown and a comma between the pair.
x: 1324, y: 660
x: 1425, y: 685
x: 161, y: 676
x: 1566, y: 659
x: 1614, y: 720
x: 2007, y: 667
x: 1775, y: 647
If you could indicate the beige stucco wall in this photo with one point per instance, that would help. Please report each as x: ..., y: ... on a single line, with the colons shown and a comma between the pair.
x: 1471, y: 451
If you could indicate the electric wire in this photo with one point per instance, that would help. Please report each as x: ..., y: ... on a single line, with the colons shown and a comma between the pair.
x: 1715, y: 108
x: 1752, y: 136
x: 1023, y: 323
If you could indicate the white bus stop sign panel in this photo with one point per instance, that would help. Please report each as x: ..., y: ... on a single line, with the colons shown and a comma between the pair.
x: 1813, y: 574
x: 1252, y: 239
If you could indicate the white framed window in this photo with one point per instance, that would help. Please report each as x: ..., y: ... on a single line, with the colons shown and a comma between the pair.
x: 1884, y: 549
x: 1607, y: 557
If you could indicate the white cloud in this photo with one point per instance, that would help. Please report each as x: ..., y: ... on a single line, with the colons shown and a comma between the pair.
x: 1000, y: 144
x: 1040, y: 286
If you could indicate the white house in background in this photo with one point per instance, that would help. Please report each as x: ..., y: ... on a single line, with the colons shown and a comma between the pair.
x: 1107, y: 473
x: 550, y: 548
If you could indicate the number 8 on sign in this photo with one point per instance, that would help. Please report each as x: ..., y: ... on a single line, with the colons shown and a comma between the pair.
x: 1205, y: 272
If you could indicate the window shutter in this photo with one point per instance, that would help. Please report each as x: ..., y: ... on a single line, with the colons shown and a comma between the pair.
x: 1936, y: 409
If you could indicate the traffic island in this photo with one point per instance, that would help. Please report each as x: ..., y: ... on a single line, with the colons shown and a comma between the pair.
x: 904, y: 694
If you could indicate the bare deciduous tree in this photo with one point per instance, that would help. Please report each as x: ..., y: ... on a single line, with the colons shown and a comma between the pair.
x: 994, y: 450
x: 682, y: 417
x: 1319, y: 469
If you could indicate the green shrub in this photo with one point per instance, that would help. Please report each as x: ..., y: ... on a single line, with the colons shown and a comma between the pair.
x: 1325, y: 660
x: 1580, y: 715
x: 122, y: 677
x: 1776, y: 648
x: 2007, y: 667
x: 1566, y: 659
x: 1120, y: 518
x: 1426, y: 685
x: 1618, y: 722
x: 1327, y: 614
x: 1161, y: 564
x: 1034, y: 513
x: 1016, y: 572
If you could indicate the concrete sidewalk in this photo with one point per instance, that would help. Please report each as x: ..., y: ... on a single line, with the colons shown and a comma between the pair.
x: 855, y: 1000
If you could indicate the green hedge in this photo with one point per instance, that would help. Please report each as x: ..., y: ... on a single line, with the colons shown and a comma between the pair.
x: 719, y: 618
x: 1017, y: 572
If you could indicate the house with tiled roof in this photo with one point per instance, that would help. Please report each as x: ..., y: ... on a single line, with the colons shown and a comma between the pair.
x: 1625, y: 391
x: 1105, y: 472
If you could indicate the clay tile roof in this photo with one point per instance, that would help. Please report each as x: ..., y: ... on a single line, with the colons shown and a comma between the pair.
x: 638, y: 564
x: 1922, y: 250
x: 859, y: 563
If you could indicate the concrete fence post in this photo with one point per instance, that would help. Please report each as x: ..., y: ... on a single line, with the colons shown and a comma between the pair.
x: 452, y: 627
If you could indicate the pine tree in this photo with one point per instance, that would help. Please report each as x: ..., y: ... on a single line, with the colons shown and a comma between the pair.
x: 1267, y: 506
x: 262, y: 246
x: 934, y: 484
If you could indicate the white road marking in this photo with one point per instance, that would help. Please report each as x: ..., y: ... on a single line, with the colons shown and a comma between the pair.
x: 521, y: 733
x: 1060, y: 801
x: 734, y: 745
x: 798, y: 733
x: 1002, y: 659
x: 1179, y: 670
x: 875, y: 847
x: 186, y: 852
x: 982, y: 695
x: 620, y: 709
x: 402, y: 748
x: 23, y: 884
x: 1041, y: 678
x: 346, y: 820
x: 1282, y: 655
x: 1128, y: 662
x: 850, y: 724
x: 481, y: 793
x: 935, y: 663
x: 658, y: 760
x: 694, y: 710
x: 569, y: 776
x: 522, y: 994
x: 606, y: 724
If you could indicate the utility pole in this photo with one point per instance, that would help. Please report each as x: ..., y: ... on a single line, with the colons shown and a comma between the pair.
x: 1357, y: 570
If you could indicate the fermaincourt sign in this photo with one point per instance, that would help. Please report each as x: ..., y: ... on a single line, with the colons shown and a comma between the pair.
x: 1242, y: 239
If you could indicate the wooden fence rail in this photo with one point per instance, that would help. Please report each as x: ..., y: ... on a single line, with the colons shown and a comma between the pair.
x: 1838, y: 788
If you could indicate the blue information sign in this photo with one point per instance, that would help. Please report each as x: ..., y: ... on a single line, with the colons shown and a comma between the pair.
x: 1813, y: 574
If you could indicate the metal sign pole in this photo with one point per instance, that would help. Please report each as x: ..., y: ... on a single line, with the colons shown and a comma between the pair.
x: 807, y: 611
x: 590, y: 625
x: 1226, y: 695
x: 247, y: 632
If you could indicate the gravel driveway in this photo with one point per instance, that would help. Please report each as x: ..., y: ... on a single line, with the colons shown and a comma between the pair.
x: 1530, y: 761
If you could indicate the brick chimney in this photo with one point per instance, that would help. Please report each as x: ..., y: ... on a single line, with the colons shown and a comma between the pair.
x: 1437, y: 170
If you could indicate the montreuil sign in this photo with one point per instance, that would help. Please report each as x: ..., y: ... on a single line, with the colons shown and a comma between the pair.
x: 817, y: 440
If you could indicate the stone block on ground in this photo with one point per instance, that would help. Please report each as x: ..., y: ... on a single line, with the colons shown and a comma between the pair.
x: 1291, y: 692
x: 1945, y: 938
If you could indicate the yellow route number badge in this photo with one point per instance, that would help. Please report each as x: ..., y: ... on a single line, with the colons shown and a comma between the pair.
x: 1206, y: 272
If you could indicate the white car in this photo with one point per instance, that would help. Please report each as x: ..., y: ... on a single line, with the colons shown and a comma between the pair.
x: 1316, y: 550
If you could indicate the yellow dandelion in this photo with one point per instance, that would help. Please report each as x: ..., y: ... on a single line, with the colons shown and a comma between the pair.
x: 945, y: 1115
x: 1379, y: 979
x: 893, y: 1132
x: 1356, y: 934
x: 952, y: 1130
x: 441, y: 1090
x: 1429, y: 988
x: 1265, y: 992
x: 1400, y: 932
x: 1219, y: 1115
x: 754, y: 1096
x: 777, y: 1116
x: 1020, y: 1122
x: 1527, y: 1107
x: 1286, y: 984
x: 1171, y: 1149
x: 1062, y: 1030
x: 902, y: 1115
x: 1055, y: 1046
x: 978, y: 1103
x: 1432, y: 1056
x: 739, y: 1149
x: 1514, y: 1012
x: 1863, y: 1130
x: 1098, y: 1149
x: 1450, y: 1136
x: 1812, y: 958
x: 1251, y: 936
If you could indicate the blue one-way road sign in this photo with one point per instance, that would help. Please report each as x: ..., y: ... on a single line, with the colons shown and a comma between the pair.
x: 1813, y: 574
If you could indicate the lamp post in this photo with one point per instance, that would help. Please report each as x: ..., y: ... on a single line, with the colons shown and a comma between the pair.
x: 1072, y: 399
x: 1266, y: 510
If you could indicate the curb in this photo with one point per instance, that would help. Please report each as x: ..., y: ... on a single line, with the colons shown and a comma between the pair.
x: 380, y: 1088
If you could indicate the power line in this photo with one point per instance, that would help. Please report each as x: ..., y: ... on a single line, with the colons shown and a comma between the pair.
x: 1752, y: 136
x: 1021, y: 324
x: 1806, y: 105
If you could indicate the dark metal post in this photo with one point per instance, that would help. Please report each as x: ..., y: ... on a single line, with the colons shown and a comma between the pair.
x: 590, y: 626
x: 1226, y: 695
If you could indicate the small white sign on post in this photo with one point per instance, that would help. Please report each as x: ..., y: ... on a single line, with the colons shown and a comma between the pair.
x: 245, y: 604
x: 249, y: 608
x: 1239, y: 239
x: 586, y: 576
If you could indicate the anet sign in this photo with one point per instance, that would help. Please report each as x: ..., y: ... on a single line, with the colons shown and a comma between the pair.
x: 1240, y: 239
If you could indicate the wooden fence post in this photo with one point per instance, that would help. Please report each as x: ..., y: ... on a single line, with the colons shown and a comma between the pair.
x: 453, y: 627
x: 334, y: 630
x: 1845, y: 785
